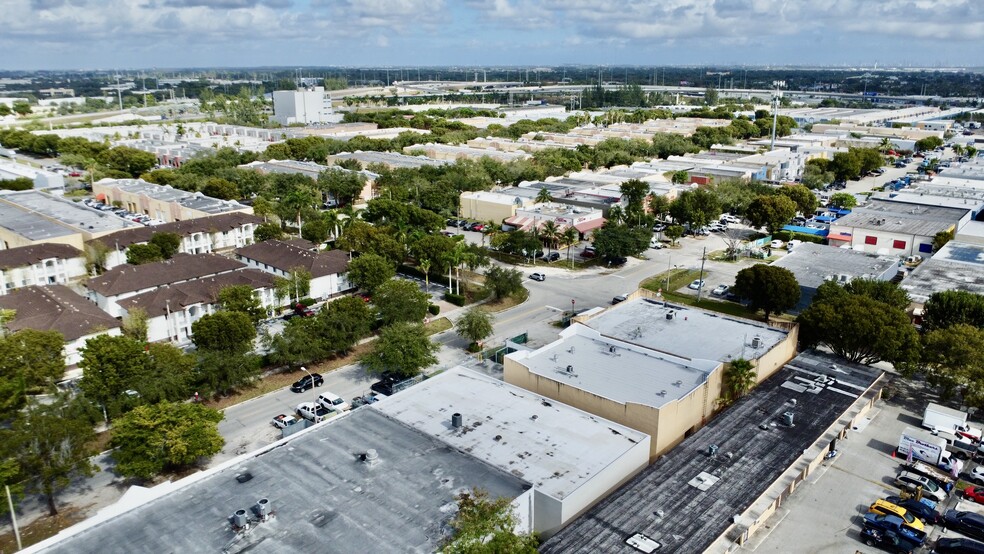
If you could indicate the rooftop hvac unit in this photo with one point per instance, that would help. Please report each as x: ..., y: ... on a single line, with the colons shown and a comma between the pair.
x: 240, y: 519
x: 787, y: 418
x: 712, y: 450
x: 570, y: 369
x: 670, y: 314
x: 756, y: 342
x: 262, y: 507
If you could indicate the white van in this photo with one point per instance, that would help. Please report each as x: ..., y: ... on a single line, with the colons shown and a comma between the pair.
x: 655, y: 243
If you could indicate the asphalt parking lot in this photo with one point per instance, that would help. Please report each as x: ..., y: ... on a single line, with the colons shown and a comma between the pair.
x: 824, y: 515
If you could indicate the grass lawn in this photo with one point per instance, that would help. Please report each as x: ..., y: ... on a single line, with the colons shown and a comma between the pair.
x: 438, y: 325
x: 680, y: 278
x: 501, y: 304
x: 277, y: 381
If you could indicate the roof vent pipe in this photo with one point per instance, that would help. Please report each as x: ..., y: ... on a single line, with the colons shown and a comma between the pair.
x: 456, y: 420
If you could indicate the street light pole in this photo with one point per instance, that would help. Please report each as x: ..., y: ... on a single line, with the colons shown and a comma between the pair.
x: 775, y: 111
x: 305, y: 370
x: 700, y: 287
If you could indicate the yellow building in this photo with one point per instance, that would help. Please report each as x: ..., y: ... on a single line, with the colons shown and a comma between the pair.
x: 162, y: 202
x: 654, y: 367
x: 491, y: 206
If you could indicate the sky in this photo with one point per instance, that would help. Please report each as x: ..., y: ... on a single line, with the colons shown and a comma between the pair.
x: 125, y: 34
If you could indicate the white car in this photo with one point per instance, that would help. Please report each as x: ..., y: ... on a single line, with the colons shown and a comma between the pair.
x: 284, y: 420
x: 696, y: 284
x: 720, y: 290
x: 333, y: 402
x: 776, y: 244
x: 313, y: 412
x: 793, y: 244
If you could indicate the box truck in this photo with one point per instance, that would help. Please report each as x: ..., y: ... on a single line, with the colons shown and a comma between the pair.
x: 923, y: 445
x: 941, y: 418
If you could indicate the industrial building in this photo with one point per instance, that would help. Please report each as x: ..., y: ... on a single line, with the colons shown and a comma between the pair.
x: 895, y: 228
x: 957, y: 266
x: 815, y: 264
x: 306, y: 106
x: 721, y: 485
x: 384, y: 476
x: 31, y: 217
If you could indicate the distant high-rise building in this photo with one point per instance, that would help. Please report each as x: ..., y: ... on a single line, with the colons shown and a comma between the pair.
x: 311, y: 105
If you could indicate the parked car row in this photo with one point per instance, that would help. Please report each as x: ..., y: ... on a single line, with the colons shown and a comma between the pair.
x: 467, y: 225
x: 120, y: 212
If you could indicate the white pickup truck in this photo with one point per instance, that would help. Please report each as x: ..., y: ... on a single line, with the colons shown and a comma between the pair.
x: 313, y: 412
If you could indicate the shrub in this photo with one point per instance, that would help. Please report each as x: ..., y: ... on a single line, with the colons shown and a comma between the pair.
x: 307, y: 301
x: 456, y: 299
x: 434, y: 309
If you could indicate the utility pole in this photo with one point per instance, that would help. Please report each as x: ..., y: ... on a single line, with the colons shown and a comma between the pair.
x: 776, y: 97
x: 700, y: 288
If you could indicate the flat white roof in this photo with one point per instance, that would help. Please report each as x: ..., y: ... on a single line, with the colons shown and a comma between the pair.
x: 692, y: 333
x: 554, y: 447
x: 617, y: 370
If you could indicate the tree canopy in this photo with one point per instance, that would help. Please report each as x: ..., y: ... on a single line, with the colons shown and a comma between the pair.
x: 767, y: 288
x: 948, y: 308
x: 401, y: 300
x: 503, y: 282
x: 369, y: 271
x: 772, y: 212
x: 402, y: 348
x: 223, y: 331
x: 485, y: 525
x: 241, y: 298
x: 156, y: 438
x: 475, y: 325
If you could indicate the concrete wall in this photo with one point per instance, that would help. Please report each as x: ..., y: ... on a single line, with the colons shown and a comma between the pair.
x: 10, y: 239
x: 483, y: 210
x: 885, y: 241
x: 666, y: 426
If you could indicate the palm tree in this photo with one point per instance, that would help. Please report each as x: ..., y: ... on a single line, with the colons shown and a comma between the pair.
x: 490, y: 231
x: 739, y: 378
x: 550, y: 233
x: 543, y: 196
x: 616, y: 215
x: 334, y: 223
x: 425, y: 266
x: 570, y: 236
x: 885, y: 145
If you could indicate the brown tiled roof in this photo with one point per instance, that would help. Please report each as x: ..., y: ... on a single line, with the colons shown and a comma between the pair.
x: 182, y: 267
x: 285, y: 256
x: 24, y: 256
x: 199, y: 291
x: 55, y: 308
x: 221, y: 222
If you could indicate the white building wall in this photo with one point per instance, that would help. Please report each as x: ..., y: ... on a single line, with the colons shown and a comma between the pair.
x: 176, y: 326
x: 196, y: 243
x: 302, y: 106
x: 46, y: 272
x: 73, y: 348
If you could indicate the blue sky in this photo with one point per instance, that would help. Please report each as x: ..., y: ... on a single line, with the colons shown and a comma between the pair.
x: 90, y: 34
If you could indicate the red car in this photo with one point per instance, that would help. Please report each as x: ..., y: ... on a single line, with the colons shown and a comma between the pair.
x: 303, y: 311
x: 975, y: 494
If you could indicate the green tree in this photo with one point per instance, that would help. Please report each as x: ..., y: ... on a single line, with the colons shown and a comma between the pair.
x: 165, y: 437
x: 843, y: 200
x: 220, y: 188
x: 806, y: 201
x: 815, y: 177
x: 242, y: 298
x: 860, y: 329
x: 401, y: 300
x: 475, y: 325
x: 953, y: 358
x: 543, y: 196
x: 296, y: 285
x: 402, y: 348
x: 135, y: 324
x: 127, y: 160
x: 928, y: 143
x: 369, y: 271
x: 168, y: 243
x: 53, y: 448
x: 771, y: 212
x: 710, y: 96
x: 485, y: 525
x: 673, y: 232
x: 695, y: 208
x: 268, y: 231
x: 953, y: 307
x: 940, y: 239
x: 222, y: 371
x: 138, y: 254
x: 31, y: 361
x: 767, y: 288
x: 739, y: 378
x: 503, y: 282
x: 344, y: 186
x: 346, y: 321
x: 882, y: 291
x: 223, y: 331
x: 21, y: 108
x: 680, y: 177
x: 612, y: 241
x: 110, y: 367
x: 846, y: 165
x: 315, y: 230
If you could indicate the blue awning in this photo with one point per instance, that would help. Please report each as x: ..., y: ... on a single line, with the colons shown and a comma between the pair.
x: 806, y: 230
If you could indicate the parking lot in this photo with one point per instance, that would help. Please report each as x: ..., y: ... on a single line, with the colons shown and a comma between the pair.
x: 826, y: 511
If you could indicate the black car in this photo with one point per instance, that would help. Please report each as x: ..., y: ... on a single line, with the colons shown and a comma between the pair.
x: 917, y: 508
x: 887, y: 540
x: 553, y: 257
x: 958, y: 546
x: 305, y: 383
x: 968, y: 523
x: 616, y: 260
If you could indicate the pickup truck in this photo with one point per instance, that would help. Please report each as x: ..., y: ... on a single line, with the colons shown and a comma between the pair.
x: 894, y: 524
x: 313, y: 412
x: 284, y: 420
